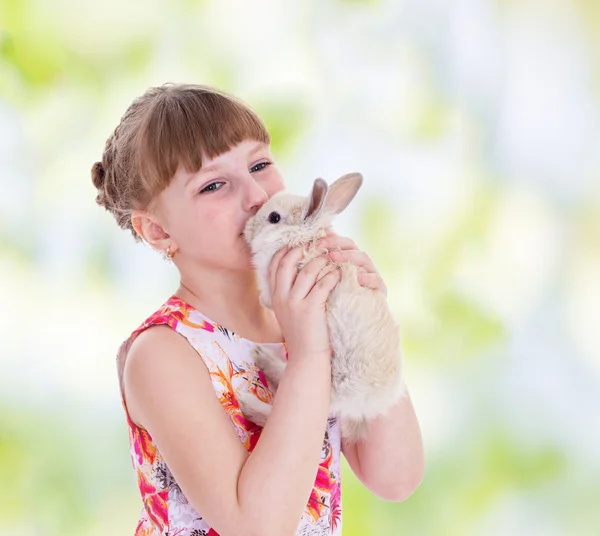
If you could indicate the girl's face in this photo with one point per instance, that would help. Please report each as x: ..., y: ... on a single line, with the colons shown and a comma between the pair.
x: 204, y: 213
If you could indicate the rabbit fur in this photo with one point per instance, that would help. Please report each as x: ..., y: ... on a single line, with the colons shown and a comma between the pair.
x: 367, y: 377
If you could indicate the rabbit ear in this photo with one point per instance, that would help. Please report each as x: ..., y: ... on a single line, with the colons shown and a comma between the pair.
x: 316, y: 199
x: 342, y: 191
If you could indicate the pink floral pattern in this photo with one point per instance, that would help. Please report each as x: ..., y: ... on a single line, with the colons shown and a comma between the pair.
x: 166, y: 511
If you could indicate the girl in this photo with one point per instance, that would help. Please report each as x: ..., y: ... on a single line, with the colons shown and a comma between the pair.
x: 184, y: 170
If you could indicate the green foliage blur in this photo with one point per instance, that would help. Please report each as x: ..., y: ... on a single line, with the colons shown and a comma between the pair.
x: 476, y: 125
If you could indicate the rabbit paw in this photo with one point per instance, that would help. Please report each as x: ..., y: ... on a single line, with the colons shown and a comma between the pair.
x: 265, y: 300
x: 253, y: 408
x: 270, y: 363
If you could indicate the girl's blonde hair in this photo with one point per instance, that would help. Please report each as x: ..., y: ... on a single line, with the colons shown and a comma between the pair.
x: 168, y: 126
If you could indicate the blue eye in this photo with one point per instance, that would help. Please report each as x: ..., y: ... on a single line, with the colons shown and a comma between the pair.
x: 210, y: 188
x: 260, y: 166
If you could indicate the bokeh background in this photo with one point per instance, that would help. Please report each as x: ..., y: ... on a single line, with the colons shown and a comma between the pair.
x: 476, y: 124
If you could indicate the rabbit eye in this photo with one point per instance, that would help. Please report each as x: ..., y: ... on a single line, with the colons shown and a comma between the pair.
x: 274, y: 217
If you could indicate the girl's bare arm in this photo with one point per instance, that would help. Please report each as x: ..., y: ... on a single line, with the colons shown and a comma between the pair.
x: 389, y: 461
x: 169, y: 392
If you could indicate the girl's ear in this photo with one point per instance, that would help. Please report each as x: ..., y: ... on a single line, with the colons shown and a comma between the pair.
x: 316, y: 199
x: 149, y: 230
x: 342, y: 191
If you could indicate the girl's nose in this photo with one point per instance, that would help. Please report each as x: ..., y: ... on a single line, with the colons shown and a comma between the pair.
x: 255, y: 197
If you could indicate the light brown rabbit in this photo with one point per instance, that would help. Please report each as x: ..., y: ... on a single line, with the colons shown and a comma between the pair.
x: 367, y: 364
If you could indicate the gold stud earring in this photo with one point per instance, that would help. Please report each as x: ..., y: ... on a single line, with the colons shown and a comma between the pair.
x: 168, y: 255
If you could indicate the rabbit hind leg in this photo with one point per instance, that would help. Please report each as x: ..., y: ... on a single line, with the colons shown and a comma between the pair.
x: 354, y: 430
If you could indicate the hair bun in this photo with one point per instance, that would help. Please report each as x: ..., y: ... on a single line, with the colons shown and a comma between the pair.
x: 98, y: 175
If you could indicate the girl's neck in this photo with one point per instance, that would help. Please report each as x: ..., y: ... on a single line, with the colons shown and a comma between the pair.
x: 234, y: 304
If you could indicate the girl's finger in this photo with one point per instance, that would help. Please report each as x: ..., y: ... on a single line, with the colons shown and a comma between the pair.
x: 307, y: 277
x: 286, y: 271
x: 359, y: 258
x: 373, y: 281
x: 331, y: 241
x: 323, y: 287
x: 274, y: 264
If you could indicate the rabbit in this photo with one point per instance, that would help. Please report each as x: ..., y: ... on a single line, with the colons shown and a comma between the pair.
x: 367, y: 372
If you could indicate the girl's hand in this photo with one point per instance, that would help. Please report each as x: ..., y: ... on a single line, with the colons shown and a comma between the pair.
x: 343, y: 249
x: 298, y: 299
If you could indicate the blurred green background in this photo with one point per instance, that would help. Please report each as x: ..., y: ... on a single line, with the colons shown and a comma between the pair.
x: 476, y: 124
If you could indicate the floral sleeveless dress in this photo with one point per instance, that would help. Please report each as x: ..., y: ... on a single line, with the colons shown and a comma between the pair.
x: 166, y: 511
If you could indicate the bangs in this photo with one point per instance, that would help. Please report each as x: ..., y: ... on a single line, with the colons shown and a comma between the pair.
x: 184, y: 123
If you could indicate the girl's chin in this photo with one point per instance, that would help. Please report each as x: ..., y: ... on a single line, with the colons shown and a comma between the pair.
x: 246, y: 246
x: 245, y: 249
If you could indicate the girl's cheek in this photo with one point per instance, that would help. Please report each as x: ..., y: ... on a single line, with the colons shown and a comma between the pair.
x: 276, y: 185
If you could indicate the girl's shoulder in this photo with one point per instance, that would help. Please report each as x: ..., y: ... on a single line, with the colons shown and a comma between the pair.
x: 175, y: 313
x: 182, y: 318
x: 218, y: 346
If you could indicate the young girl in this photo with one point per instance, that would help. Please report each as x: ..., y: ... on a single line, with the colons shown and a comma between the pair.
x: 184, y: 170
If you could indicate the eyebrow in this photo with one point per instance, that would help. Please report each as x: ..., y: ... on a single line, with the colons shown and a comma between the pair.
x: 260, y: 145
x: 207, y: 169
